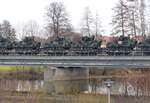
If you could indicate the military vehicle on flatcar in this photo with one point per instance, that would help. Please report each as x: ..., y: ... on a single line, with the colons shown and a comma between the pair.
x: 144, y: 46
x: 121, y: 46
x: 58, y: 46
x: 28, y: 46
x: 87, y: 46
x: 5, y: 46
x: 63, y: 46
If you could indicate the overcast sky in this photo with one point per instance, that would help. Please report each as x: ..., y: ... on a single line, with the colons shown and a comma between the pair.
x: 21, y: 11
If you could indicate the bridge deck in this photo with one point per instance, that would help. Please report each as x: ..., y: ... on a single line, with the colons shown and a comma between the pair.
x: 79, y: 61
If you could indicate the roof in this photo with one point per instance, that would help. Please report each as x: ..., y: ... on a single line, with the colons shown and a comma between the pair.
x: 105, y: 38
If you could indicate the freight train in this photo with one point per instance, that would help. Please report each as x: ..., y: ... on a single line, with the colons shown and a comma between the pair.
x: 62, y: 46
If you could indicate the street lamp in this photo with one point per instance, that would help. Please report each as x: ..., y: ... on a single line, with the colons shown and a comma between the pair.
x: 108, y: 84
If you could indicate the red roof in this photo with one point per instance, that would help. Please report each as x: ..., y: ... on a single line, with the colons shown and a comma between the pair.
x: 105, y: 38
x: 139, y: 38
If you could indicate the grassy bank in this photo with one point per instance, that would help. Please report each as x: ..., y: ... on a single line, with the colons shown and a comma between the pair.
x: 21, y: 72
x: 10, y: 68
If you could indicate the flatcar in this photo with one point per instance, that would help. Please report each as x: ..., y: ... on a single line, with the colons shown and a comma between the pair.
x: 121, y: 46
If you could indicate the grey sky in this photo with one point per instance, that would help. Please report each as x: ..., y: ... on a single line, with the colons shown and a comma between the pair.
x: 21, y: 11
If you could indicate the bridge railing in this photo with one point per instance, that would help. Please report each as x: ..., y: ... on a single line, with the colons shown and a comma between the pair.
x: 102, y: 52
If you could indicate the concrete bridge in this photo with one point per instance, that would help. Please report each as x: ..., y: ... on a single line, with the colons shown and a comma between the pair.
x: 72, y: 67
x: 79, y: 61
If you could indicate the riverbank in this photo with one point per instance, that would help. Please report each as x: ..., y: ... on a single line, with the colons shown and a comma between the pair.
x: 21, y: 73
x: 80, y: 98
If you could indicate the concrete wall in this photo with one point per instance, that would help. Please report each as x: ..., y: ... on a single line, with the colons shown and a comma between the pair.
x: 66, y: 80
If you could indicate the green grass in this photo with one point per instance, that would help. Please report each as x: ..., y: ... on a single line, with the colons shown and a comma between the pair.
x: 7, y: 68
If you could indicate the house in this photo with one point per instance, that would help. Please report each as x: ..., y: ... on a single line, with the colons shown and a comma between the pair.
x: 105, y: 40
x: 139, y: 38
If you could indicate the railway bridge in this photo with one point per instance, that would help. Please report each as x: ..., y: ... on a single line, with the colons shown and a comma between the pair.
x: 60, y: 68
x: 79, y: 61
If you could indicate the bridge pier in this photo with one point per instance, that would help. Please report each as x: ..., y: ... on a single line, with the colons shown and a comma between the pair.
x: 66, y: 80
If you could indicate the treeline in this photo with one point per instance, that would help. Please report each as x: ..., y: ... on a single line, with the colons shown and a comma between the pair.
x: 130, y: 19
x: 127, y: 20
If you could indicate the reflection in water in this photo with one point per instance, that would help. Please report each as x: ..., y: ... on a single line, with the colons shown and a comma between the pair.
x: 21, y: 85
x: 65, y: 86
x: 29, y: 85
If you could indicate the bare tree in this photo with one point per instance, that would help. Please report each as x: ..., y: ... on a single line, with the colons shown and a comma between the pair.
x: 87, y: 22
x: 7, y: 31
x: 31, y: 28
x: 97, y: 25
x: 21, y: 30
x: 138, y: 12
x: 120, y: 19
x: 134, y: 17
x: 148, y: 18
x: 141, y: 8
x: 142, y: 17
x: 1, y: 29
x: 58, y: 21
